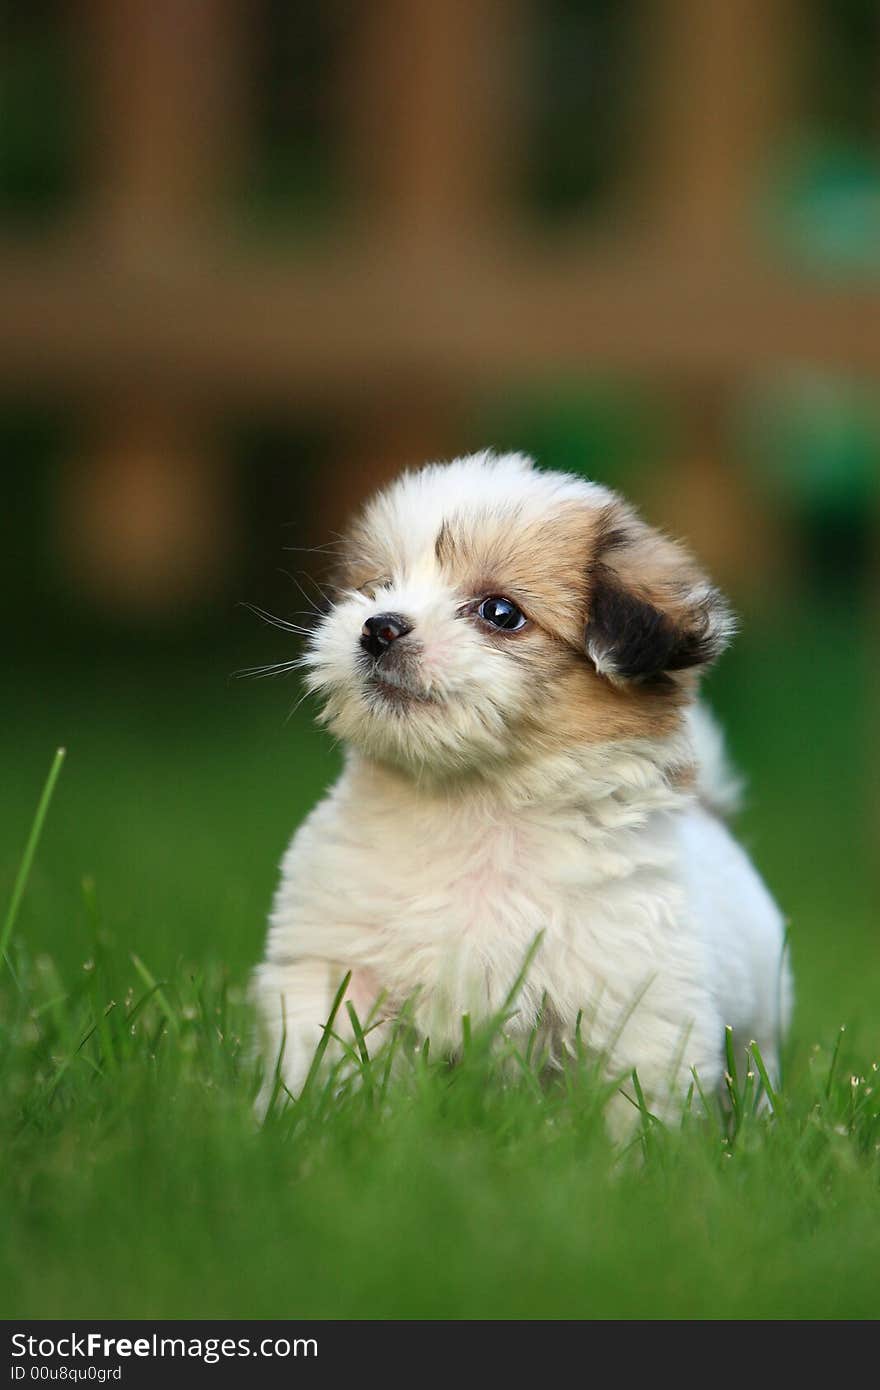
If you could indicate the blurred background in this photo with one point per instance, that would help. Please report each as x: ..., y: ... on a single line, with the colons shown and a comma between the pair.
x: 255, y: 257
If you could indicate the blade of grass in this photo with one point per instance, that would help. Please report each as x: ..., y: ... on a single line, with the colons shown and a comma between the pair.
x: 730, y: 1054
x: 141, y: 1004
x: 648, y: 1119
x: 528, y: 1074
x: 535, y: 1031
x: 780, y: 976
x: 65, y: 1062
x: 833, y: 1067
x: 731, y: 1081
x: 363, y: 1050
x: 30, y: 851
x: 480, y: 1040
x: 161, y: 998
x: 99, y: 985
x: 518, y: 983
x: 772, y: 1095
x: 401, y: 1029
x: 704, y: 1100
x: 278, y: 1085
x: 750, y: 1092
x: 326, y: 1035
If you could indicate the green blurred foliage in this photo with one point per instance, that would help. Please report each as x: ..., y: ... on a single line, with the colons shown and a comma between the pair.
x: 293, y: 182
x: 815, y: 440
x: 607, y: 430
x: 577, y: 111
x: 40, y: 105
x: 841, y: 65
x: 822, y: 209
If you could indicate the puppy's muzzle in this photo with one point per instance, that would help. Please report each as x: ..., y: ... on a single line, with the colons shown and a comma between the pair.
x: 378, y: 633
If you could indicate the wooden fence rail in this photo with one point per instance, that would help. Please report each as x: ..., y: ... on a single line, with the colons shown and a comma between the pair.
x: 432, y: 289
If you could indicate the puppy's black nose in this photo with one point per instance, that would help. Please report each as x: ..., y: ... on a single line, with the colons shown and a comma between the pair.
x: 378, y: 633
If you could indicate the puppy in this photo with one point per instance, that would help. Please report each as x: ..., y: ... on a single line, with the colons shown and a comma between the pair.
x: 513, y: 665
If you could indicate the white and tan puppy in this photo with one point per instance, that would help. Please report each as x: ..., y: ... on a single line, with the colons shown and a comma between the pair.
x: 512, y: 664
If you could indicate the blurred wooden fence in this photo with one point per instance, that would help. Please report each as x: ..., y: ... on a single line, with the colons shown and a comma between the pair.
x: 432, y: 288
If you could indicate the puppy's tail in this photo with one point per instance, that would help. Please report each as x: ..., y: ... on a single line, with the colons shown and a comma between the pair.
x: 719, y: 786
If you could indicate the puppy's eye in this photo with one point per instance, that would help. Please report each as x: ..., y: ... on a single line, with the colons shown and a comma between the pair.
x: 501, y: 613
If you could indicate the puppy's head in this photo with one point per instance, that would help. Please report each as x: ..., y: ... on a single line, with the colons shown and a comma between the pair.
x: 491, y: 613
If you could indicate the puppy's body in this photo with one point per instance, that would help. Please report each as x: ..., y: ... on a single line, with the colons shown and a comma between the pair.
x: 552, y: 776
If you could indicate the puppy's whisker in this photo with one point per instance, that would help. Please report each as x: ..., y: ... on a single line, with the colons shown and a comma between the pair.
x: 276, y: 668
x: 332, y: 548
x: 325, y: 597
x: 307, y: 613
x: 274, y: 621
x: 308, y: 598
x: 301, y: 701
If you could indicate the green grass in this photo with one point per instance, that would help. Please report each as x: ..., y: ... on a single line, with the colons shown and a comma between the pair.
x: 134, y: 1178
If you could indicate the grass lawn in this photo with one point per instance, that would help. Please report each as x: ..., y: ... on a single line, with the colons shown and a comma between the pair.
x: 135, y: 1181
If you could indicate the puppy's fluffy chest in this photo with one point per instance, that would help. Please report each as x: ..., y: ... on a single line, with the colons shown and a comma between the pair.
x: 444, y: 896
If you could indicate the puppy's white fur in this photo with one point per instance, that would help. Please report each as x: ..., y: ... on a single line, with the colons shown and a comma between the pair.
x: 558, y: 780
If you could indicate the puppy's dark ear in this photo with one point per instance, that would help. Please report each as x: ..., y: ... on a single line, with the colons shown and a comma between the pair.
x: 651, y: 613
